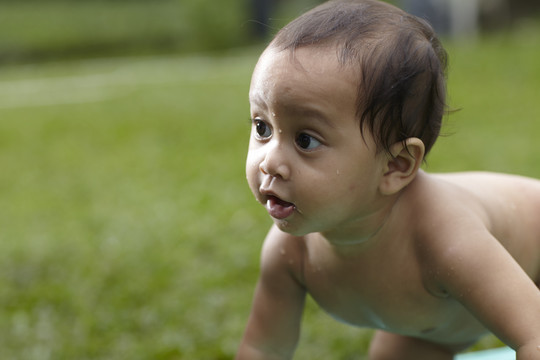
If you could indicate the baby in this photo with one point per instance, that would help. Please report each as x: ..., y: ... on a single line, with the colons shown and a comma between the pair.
x: 346, y: 101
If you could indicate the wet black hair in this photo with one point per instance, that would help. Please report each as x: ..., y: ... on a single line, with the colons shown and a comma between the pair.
x: 401, y: 63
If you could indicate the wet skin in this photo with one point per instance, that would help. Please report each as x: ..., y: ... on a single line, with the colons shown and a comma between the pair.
x: 443, y: 258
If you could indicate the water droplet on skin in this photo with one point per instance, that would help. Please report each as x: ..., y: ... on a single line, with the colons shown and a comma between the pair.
x: 280, y: 131
x: 538, y: 348
x: 274, y: 114
x: 337, y: 172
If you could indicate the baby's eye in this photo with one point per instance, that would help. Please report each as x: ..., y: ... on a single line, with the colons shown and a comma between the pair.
x: 262, y: 129
x: 307, y: 142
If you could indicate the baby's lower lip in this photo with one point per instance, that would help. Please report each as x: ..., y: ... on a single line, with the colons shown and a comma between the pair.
x: 278, y: 208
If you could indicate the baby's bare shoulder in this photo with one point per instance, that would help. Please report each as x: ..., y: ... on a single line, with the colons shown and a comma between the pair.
x: 279, y: 242
x: 461, y: 208
x: 283, y: 252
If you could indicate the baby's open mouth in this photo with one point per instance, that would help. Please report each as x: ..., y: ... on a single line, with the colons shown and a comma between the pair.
x: 278, y: 208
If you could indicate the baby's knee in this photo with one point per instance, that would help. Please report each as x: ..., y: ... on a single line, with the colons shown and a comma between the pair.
x: 381, y: 353
x: 387, y: 346
x: 382, y: 347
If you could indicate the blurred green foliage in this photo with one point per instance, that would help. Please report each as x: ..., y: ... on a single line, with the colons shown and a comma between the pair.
x: 36, y: 30
x: 127, y: 228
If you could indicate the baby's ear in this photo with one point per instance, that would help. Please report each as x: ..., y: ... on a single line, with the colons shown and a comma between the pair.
x: 401, y: 165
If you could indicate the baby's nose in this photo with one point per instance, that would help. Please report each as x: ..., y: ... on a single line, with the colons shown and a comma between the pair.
x: 275, y: 164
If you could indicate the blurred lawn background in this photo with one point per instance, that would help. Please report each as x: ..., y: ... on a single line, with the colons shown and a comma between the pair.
x: 127, y: 230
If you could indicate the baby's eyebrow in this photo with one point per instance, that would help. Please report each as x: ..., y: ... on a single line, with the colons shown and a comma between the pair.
x: 313, y: 114
x: 257, y: 100
x: 300, y: 110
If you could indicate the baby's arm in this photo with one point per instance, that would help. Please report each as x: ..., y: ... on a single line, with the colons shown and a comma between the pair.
x: 273, y: 327
x: 478, y: 271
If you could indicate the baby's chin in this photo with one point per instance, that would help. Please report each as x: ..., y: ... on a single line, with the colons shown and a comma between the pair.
x: 289, y: 227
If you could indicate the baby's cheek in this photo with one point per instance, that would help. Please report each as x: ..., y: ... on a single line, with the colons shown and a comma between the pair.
x: 254, y: 178
x: 251, y: 177
x: 252, y: 165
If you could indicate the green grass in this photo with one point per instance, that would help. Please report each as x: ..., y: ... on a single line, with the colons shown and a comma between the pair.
x: 495, y: 84
x: 124, y: 221
x: 127, y: 230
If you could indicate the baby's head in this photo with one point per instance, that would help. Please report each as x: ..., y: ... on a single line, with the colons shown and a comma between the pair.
x: 399, y: 63
x: 345, y: 102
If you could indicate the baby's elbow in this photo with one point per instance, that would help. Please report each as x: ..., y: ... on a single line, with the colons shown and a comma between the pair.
x: 529, y: 351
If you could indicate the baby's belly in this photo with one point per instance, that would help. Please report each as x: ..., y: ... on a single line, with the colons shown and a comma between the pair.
x: 442, y: 321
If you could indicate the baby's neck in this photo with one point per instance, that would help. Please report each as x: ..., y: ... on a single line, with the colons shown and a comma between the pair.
x: 366, y: 229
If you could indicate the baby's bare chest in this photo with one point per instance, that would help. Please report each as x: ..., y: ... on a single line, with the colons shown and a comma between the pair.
x: 391, y: 298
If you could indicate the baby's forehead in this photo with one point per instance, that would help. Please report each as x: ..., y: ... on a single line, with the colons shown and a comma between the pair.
x: 321, y: 57
x: 311, y: 63
x: 304, y: 76
x: 307, y: 84
x: 303, y: 62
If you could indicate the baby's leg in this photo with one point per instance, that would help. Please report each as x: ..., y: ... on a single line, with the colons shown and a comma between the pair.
x: 387, y: 346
